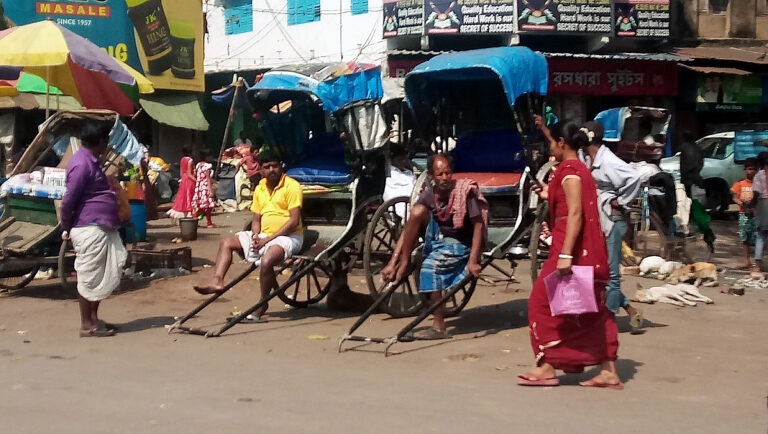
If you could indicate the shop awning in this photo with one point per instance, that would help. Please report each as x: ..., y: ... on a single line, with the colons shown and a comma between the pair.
x: 180, y: 110
x: 756, y: 55
x: 28, y: 101
x: 716, y: 70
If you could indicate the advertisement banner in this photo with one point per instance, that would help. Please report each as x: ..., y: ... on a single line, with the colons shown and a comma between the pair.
x: 161, y: 39
x: 103, y: 22
x: 747, y: 144
x: 612, y: 77
x: 722, y: 92
x: 403, y: 17
x: 469, y: 16
x: 642, y: 18
x: 169, y: 39
x: 580, y: 16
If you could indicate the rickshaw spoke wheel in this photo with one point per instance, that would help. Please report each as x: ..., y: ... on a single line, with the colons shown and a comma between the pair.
x: 459, y: 300
x: 66, y: 266
x: 20, y: 278
x: 382, y: 234
x: 311, y: 287
x: 538, y: 250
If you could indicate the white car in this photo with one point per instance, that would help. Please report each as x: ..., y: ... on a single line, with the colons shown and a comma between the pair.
x: 720, y: 170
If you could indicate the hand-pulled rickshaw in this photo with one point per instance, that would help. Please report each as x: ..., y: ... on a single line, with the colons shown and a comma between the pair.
x: 325, y: 121
x: 478, y: 107
x: 30, y: 236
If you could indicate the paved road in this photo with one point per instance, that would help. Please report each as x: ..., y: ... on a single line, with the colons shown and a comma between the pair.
x: 697, y: 369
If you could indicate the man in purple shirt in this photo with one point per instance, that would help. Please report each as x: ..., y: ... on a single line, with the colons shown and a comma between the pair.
x: 89, y: 219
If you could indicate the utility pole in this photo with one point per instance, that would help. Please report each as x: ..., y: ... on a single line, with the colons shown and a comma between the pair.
x: 341, y: 49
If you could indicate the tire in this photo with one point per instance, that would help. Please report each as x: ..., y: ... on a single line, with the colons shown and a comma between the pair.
x: 311, y: 287
x: 381, y: 236
x: 537, y: 249
x: 454, y: 305
x: 19, y: 281
x: 66, y: 265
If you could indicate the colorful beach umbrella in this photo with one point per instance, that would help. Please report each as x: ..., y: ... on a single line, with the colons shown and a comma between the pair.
x: 72, y: 63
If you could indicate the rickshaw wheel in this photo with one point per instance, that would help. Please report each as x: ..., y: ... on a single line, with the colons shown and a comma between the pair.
x: 21, y: 280
x: 311, y: 287
x: 381, y: 236
x: 455, y: 304
x: 537, y: 249
x: 66, y: 265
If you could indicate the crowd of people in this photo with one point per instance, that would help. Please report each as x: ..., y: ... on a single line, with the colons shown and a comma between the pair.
x: 588, y: 194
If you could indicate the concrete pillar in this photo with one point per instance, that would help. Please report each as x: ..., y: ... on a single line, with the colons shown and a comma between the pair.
x: 742, y: 17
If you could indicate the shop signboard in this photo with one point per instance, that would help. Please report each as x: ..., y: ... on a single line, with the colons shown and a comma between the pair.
x: 469, y: 16
x: 642, y: 18
x: 238, y: 16
x: 161, y: 38
x: 401, y: 67
x: 403, y: 18
x: 732, y: 93
x: 561, y: 16
x: 612, y: 77
x: 748, y: 144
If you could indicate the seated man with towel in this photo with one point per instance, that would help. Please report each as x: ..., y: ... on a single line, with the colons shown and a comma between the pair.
x: 455, y: 216
x: 276, y: 231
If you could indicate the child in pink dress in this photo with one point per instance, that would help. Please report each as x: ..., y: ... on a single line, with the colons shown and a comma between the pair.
x: 203, y: 201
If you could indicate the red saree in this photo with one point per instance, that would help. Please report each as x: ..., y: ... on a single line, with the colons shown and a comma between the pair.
x: 571, y: 342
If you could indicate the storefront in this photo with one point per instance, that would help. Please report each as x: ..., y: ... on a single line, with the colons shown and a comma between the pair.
x: 723, y: 89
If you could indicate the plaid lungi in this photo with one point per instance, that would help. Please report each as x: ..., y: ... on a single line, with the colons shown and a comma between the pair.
x: 445, y: 260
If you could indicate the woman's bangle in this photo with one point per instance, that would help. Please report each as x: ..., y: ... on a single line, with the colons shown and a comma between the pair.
x: 564, y: 256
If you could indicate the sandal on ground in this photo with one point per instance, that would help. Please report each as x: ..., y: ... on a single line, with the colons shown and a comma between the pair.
x: 431, y: 334
x: 636, y: 323
x: 601, y: 385
x: 211, y: 226
x: 96, y: 332
x: 108, y: 326
x: 529, y: 379
x: 251, y: 319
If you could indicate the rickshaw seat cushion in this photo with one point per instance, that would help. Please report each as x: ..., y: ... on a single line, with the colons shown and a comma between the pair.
x: 489, y: 151
x: 492, y: 182
x: 321, y: 169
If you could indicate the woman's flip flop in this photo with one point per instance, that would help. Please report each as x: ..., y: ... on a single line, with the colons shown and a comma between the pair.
x: 532, y: 380
x: 601, y: 385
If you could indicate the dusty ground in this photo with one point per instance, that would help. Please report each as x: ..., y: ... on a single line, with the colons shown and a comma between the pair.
x: 697, y: 369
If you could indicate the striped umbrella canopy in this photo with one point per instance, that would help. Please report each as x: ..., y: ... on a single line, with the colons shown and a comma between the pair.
x: 74, y: 64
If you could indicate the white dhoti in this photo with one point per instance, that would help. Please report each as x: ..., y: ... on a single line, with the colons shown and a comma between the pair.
x: 99, y: 261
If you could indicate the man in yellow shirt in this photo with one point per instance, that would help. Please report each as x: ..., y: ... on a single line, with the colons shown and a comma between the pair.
x: 276, y: 231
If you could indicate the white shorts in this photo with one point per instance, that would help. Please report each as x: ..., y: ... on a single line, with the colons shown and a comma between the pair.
x: 291, y: 245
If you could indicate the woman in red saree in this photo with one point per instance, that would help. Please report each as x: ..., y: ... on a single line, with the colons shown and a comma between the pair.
x: 571, y: 342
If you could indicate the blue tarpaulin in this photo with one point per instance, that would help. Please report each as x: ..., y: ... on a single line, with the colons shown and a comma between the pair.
x: 320, y: 82
x: 612, y: 121
x: 225, y: 95
x: 519, y: 69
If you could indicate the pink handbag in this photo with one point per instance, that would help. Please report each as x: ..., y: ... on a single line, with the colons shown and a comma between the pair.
x: 572, y: 294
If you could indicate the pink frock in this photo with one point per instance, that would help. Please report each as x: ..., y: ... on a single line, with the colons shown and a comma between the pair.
x: 182, y: 205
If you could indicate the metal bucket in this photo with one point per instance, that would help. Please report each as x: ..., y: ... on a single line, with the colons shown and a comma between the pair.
x: 188, y: 228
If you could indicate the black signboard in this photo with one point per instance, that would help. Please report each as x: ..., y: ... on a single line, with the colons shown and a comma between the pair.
x: 576, y: 16
x: 642, y: 18
x: 469, y: 16
x: 403, y: 17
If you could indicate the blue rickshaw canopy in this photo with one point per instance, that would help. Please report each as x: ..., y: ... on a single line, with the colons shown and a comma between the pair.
x: 519, y: 69
x: 333, y: 85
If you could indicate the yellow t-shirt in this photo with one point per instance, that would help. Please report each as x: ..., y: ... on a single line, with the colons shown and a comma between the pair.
x: 274, y: 208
